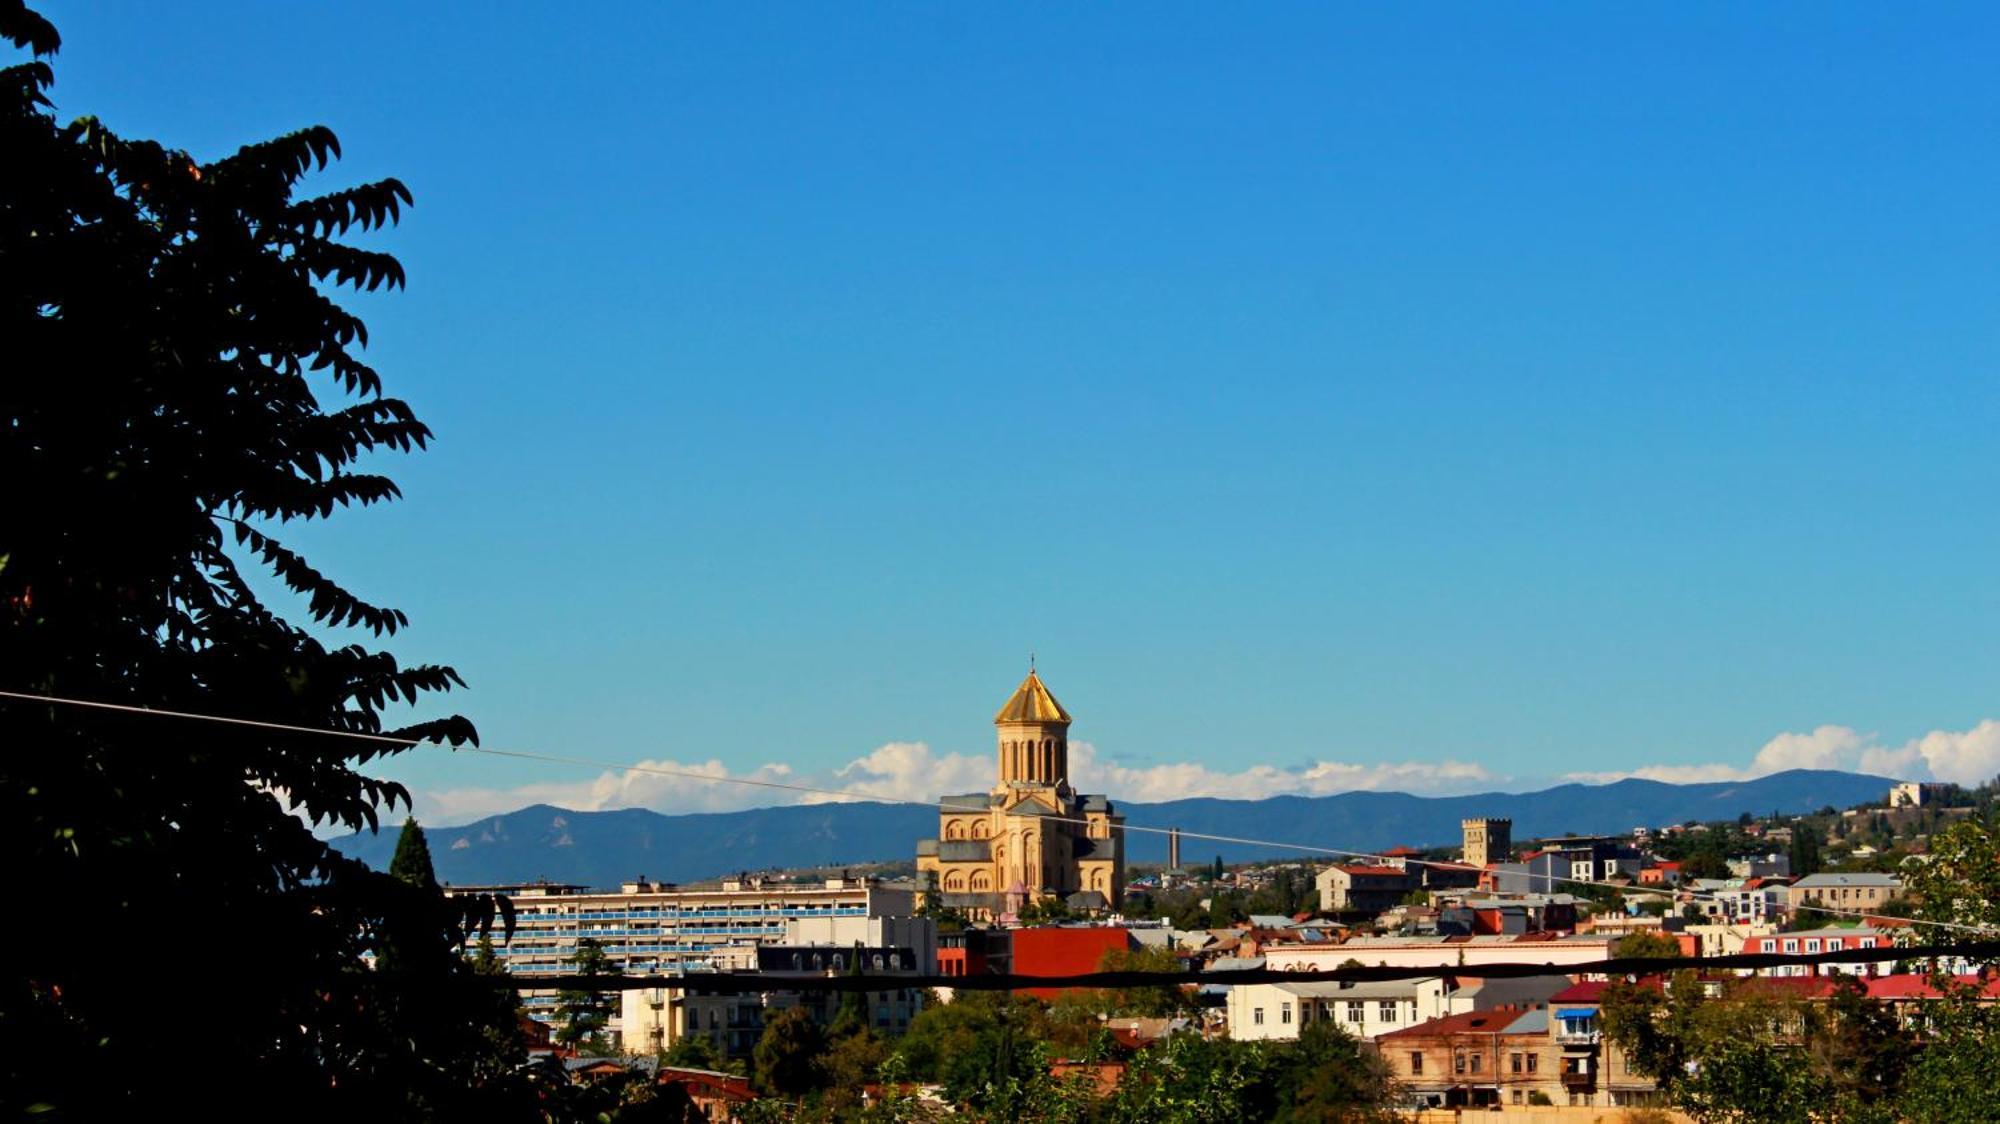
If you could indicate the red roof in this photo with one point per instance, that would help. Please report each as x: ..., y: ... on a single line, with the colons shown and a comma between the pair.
x: 1668, y: 866
x: 1400, y: 852
x: 1470, y: 1022
x: 1912, y: 986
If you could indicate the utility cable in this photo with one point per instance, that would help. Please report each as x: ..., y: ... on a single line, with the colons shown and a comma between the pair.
x: 813, y: 790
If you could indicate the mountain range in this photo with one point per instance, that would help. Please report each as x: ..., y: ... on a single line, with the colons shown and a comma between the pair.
x: 605, y: 848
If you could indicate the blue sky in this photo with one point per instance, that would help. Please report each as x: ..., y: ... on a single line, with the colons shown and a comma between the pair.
x: 1459, y: 398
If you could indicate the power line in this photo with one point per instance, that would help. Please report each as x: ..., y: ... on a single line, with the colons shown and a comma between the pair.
x: 814, y: 790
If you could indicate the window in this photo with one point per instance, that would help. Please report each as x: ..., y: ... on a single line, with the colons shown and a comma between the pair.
x: 1514, y: 1062
x: 1791, y: 945
x: 1416, y: 1063
x: 1386, y: 1010
x: 1457, y: 1062
x: 1285, y: 1014
x: 1532, y: 1059
x: 1257, y: 1016
x: 1473, y: 1061
x: 1812, y: 945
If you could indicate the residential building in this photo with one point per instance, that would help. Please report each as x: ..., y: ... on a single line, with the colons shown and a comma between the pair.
x: 1478, y: 914
x: 655, y: 1018
x: 648, y: 927
x: 1753, y: 901
x: 1033, y: 835
x: 1822, y: 940
x: 1559, y: 952
x: 1261, y: 1012
x: 1364, y: 888
x: 1726, y: 938
x: 1856, y: 891
x: 1591, y: 1068
x: 1761, y: 866
x: 1478, y: 1059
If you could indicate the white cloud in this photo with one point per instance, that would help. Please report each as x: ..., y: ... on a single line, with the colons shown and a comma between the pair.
x: 1968, y: 758
x: 1154, y: 783
x: 911, y: 771
x: 1972, y: 757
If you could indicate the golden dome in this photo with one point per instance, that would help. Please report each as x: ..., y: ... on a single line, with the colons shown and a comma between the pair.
x: 1031, y: 703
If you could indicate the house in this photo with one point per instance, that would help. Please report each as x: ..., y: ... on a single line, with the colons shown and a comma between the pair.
x: 1367, y: 1010
x: 1593, y: 1072
x: 1660, y: 874
x: 1761, y: 866
x: 1821, y: 940
x: 1510, y: 916
x: 1856, y: 891
x: 1476, y: 1059
x: 716, y: 1096
x: 1727, y: 938
x: 1906, y: 994
x: 1264, y: 1012
x: 1757, y: 899
x: 1360, y: 888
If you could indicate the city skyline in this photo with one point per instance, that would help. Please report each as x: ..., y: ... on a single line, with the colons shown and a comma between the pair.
x: 1435, y: 408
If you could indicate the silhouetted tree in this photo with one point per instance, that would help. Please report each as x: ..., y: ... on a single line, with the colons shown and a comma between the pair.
x: 178, y: 386
x: 412, y: 860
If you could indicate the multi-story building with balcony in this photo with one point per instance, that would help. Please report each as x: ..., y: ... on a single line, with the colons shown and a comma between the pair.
x: 649, y: 927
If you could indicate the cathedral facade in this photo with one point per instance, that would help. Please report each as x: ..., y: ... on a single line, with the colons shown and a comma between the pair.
x: 1032, y: 836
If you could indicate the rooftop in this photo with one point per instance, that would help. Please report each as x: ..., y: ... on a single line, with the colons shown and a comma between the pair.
x: 1031, y: 702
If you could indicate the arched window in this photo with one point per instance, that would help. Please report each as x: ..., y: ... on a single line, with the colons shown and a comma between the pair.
x: 979, y: 829
x: 954, y: 830
x: 954, y: 882
x: 982, y: 882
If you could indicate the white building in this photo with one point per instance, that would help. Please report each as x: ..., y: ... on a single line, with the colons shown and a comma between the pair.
x: 647, y: 927
x: 1264, y: 1012
x: 1823, y: 940
x: 1727, y: 939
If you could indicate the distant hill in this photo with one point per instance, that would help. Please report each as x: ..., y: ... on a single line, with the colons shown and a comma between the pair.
x: 605, y: 848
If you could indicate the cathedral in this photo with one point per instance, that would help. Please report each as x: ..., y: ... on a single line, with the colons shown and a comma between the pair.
x: 1032, y: 836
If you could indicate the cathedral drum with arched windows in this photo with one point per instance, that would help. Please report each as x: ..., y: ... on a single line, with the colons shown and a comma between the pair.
x: 1032, y: 836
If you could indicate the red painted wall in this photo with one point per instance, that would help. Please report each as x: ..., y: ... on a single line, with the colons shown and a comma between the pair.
x: 1062, y: 952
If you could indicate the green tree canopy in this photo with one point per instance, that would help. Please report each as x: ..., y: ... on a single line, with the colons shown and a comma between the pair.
x: 583, y: 1012
x: 787, y: 1056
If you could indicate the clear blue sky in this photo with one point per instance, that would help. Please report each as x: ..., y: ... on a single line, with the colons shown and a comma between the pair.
x: 1573, y: 388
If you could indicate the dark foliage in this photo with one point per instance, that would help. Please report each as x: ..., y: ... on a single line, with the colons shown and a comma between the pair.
x: 171, y: 357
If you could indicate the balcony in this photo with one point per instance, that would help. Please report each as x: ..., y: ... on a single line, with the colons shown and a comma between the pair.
x: 1579, y: 1079
x: 1580, y: 1039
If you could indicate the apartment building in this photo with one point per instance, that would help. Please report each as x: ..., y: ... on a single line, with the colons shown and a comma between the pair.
x: 655, y: 1018
x: 652, y: 927
x: 1858, y: 890
x: 1823, y: 940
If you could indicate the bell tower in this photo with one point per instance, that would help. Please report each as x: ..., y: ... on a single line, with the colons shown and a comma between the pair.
x: 1034, y: 737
